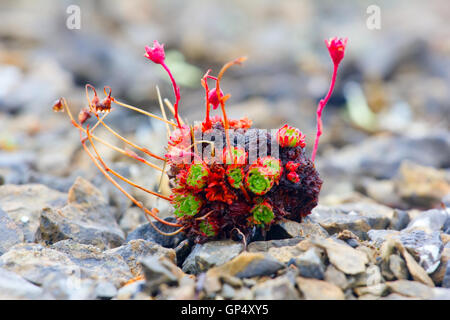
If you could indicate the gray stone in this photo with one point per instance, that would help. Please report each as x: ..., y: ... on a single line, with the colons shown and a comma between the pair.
x: 133, y: 290
x: 400, y: 220
x: 158, y: 271
x: 446, y: 280
x: 280, y: 288
x: 87, y: 218
x: 24, y: 203
x: 336, y: 277
x: 135, y: 250
x: 378, y: 237
x: 310, y: 264
x: 96, y: 264
x: 427, y: 247
x: 344, y: 257
x: 69, y: 288
x: 14, y: 287
x: 313, y: 289
x: 147, y: 232
x: 264, y: 246
x: 292, y: 229
x: 431, y: 220
x: 361, y: 160
x: 247, y: 265
x: 228, y: 291
x: 105, y: 290
x: 441, y: 294
x: 210, y: 254
x: 398, y: 267
x: 34, y: 262
x: 410, y: 289
x: 10, y: 234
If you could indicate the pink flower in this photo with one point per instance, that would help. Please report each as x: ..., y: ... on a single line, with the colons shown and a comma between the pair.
x: 155, y: 53
x: 336, y: 47
x: 213, y: 98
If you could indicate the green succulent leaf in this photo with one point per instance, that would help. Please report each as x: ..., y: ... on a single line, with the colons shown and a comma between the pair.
x: 186, y: 205
x: 197, y: 176
x: 207, y: 228
x: 235, y: 177
x: 259, y: 180
x: 262, y: 213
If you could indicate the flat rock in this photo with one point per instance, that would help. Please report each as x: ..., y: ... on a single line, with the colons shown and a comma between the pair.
x: 410, y: 289
x: 446, y: 280
x: 427, y: 247
x: 335, y: 221
x: 35, y: 262
x: 159, y: 271
x: 210, y: 254
x: 264, y: 246
x: 416, y: 271
x: 10, y: 233
x: 136, y: 250
x: 280, y: 288
x: 247, y: 265
x: 14, y: 287
x: 87, y: 218
x: 310, y: 264
x: 24, y: 203
x: 421, y: 185
x: 378, y: 237
x: 95, y: 264
x: 431, y: 220
x: 146, y: 232
x: 291, y: 229
x: 344, y: 257
x: 313, y: 289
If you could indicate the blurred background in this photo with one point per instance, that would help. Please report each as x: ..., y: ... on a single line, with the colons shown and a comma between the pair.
x: 386, y: 126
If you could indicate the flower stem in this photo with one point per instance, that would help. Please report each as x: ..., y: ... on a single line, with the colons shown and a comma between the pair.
x: 320, y: 107
x: 176, y: 91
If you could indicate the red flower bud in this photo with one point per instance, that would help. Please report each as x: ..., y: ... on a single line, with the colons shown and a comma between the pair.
x: 292, y: 166
x: 293, y: 177
x: 155, y: 53
x: 336, y: 47
x: 213, y: 98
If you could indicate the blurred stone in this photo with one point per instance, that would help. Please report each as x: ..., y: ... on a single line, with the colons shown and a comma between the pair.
x: 14, y: 287
x: 378, y: 237
x: 86, y: 218
x: 344, y: 257
x: 264, y: 246
x: 247, y: 265
x: 431, y: 220
x: 136, y: 250
x: 23, y: 204
x: 210, y: 254
x: 313, y: 289
x: 399, y: 220
x: 94, y: 263
x: 291, y: 229
x: 279, y: 288
x: 147, y: 232
x: 310, y: 264
x: 132, y: 218
x: 336, y: 277
x: 159, y: 271
x: 35, y: 262
x: 421, y: 185
x: 10, y: 234
x: 105, y: 290
x: 376, y: 290
x: 360, y: 160
x: 426, y: 246
x: 410, y: 289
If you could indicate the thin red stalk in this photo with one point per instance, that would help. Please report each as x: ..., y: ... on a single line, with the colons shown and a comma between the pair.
x: 320, y: 107
x: 176, y: 91
x: 208, y: 107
